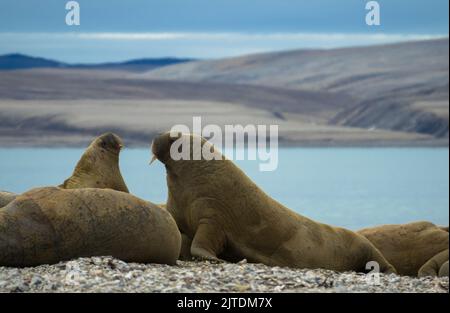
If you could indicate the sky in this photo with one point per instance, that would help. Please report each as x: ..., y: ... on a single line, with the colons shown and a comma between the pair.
x: 114, y: 30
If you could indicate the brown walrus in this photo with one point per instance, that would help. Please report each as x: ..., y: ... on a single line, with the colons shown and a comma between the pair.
x: 443, y: 271
x: 229, y: 217
x: 408, y: 246
x: 436, y: 266
x: 6, y: 197
x: 51, y: 224
x: 99, y: 166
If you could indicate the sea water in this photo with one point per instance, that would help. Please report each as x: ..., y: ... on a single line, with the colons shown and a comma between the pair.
x: 348, y: 187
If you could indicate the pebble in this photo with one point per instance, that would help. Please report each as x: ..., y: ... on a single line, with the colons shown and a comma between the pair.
x: 106, y: 274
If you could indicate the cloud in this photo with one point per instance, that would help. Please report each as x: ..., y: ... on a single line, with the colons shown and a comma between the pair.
x: 113, y: 46
x: 235, y: 36
x: 317, y: 37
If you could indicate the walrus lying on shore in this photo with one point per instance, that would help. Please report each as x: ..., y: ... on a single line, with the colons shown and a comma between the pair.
x: 436, y: 266
x: 443, y: 271
x: 99, y: 166
x: 50, y: 224
x: 408, y: 246
x: 228, y: 217
x: 6, y: 197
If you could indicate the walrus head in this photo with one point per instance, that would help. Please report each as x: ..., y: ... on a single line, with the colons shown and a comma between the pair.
x: 161, y: 147
x: 109, y: 142
x: 176, y: 149
x: 99, y: 166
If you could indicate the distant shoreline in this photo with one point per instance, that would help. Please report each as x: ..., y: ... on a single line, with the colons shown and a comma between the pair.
x: 438, y: 143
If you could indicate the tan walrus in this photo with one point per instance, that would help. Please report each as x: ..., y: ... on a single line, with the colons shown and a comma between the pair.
x: 228, y: 217
x: 408, y: 246
x: 50, y: 224
x: 6, y: 197
x: 99, y: 166
x: 443, y: 271
x: 436, y: 266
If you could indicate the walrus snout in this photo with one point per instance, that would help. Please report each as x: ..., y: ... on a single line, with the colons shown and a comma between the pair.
x: 161, y: 146
x: 110, y: 141
x: 155, y: 149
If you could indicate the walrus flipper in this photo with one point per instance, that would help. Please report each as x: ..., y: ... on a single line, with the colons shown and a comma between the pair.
x: 432, y: 266
x: 185, y: 253
x: 443, y: 271
x: 208, y: 242
x: 385, y: 266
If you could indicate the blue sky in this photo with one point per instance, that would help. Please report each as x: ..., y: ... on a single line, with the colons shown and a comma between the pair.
x: 117, y: 29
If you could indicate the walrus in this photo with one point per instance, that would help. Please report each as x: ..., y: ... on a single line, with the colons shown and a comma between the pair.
x: 408, y: 246
x: 229, y: 218
x: 50, y: 224
x: 443, y: 271
x: 6, y: 197
x: 436, y: 266
x: 99, y: 166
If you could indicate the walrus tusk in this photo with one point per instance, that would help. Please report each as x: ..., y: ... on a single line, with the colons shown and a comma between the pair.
x: 152, y: 160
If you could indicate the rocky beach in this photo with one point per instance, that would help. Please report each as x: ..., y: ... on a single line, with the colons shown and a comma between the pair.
x: 106, y: 274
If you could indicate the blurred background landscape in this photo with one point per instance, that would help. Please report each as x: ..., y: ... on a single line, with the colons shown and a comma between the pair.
x: 394, y: 94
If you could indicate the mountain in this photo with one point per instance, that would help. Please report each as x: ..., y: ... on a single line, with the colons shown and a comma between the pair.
x: 389, y: 95
x: 403, y: 86
x: 138, y: 65
x: 67, y: 107
x: 20, y: 61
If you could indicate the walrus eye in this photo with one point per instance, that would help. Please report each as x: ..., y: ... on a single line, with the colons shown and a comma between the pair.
x: 103, y: 144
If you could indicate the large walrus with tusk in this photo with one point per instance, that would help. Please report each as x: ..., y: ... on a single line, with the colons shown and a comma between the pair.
x: 408, y: 246
x: 50, y: 224
x: 229, y: 217
x: 99, y: 166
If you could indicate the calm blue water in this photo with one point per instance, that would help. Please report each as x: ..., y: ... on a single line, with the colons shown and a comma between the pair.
x: 348, y: 187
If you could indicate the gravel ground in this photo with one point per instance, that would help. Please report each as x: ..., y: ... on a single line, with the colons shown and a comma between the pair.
x: 106, y: 274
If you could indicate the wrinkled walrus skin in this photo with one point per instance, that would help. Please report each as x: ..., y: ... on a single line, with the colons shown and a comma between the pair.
x: 228, y: 217
x: 99, y: 166
x: 50, y: 224
x: 408, y: 246
x: 6, y: 197
x: 436, y: 266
